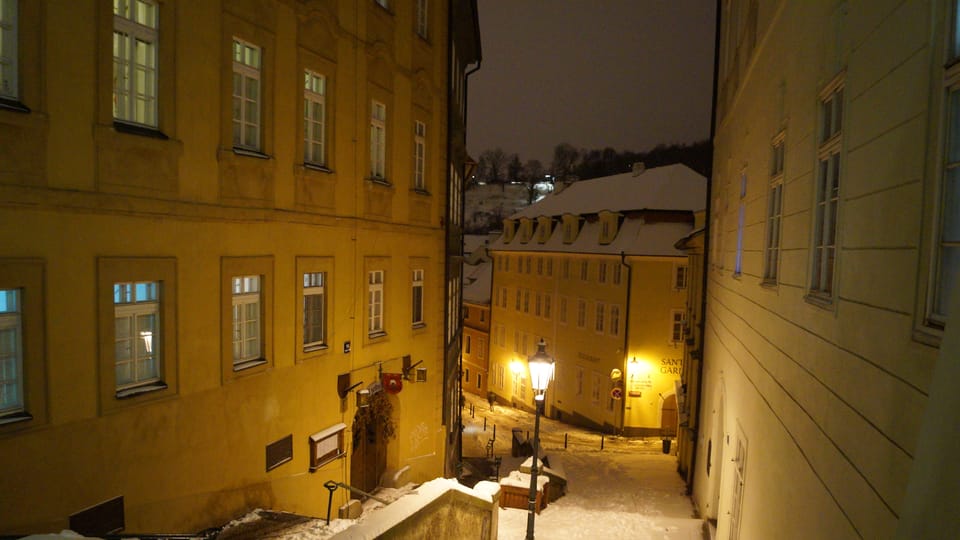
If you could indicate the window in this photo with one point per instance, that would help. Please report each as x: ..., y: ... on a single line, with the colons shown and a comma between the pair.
x: 539, y: 266
x: 562, y: 310
x: 680, y: 276
x: 314, y: 311
x: 581, y: 313
x: 550, y: 267
x: 246, y: 95
x: 503, y: 297
x: 375, y: 303
x: 616, y: 274
x: 599, y: 322
x: 526, y: 301
x: 378, y: 140
x: 422, y: 18
x: 595, y: 388
x: 516, y: 341
x: 827, y: 191
x: 23, y: 399
x: 483, y: 316
x: 506, y: 263
x: 602, y: 272
x: 419, y: 153
x: 771, y: 255
x: 741, y: 217
x: 614, y: 320
x: 677, y: 318
x: 584, y: 266
x: 466, y: 349
x: 314, y: 118
x: 137, y: 320
x: 579, y: 381
x: 135, y: 59
x: 479, y: 380
x: 137, y: 334
x: 247, y: 320
x: 528, y: 264
x: 566, y: 269
x: 500, y: 376
x: 518, y: 300
x: 537, y: 307
x: 9, y: 55
x: 11, y: 353
x: 546, y: 306
x: 417, y: 300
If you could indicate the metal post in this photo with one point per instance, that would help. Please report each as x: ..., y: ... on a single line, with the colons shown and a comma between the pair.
x: 331, y: 486
x: 565, y: 440
x: 484, y: 423
x: 532, y: 504
x: 601, y: 441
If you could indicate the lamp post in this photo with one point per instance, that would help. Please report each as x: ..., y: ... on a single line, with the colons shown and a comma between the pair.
x: 541, y: 371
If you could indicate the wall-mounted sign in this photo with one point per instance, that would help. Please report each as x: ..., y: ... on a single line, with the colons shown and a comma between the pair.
x: 346, y: 347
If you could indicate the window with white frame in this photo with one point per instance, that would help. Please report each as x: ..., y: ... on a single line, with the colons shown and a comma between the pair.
x: 135, y: 58
x: 827, y: 191
x: 11, y: 353
x: 500, y: 376
x: 422, y: 17
x: 945, y: 264
x: 598, y: 322
x: 375, y: 302
x: 614, y: 320
x: 314, y: 311
x: 9, y: 54
x: 247, y: 321
x: 677, y: 318
x: 741, y: 223
x: 247, y: 98
x: 680, y: 276
x: 137, y: 339
x: 581, y: 313
x: 417, y: 300
x: 314, y: 118
x: 378, y: 140
x: 419, y: 155
x: 771, y: 247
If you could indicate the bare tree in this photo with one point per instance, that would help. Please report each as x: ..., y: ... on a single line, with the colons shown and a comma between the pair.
x: 492, y: 166
x: 531, y: 176
x: 514, y: 169
x: 565, y: 158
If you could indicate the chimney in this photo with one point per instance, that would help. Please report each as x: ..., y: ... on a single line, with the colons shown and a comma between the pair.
x: 638, y: 168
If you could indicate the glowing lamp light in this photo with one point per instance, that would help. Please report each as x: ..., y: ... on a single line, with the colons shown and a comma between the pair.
x: 541, y: 370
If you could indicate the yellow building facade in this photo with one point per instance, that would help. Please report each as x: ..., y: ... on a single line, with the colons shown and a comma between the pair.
x: 220, y: 221
x: 592, y: 271
x: 832, y: 248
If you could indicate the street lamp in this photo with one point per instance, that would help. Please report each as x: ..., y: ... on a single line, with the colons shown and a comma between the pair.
x: 541, y: 371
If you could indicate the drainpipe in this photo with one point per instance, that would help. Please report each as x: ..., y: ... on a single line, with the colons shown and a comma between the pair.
x: 701, y: 324
x: 626, y: 339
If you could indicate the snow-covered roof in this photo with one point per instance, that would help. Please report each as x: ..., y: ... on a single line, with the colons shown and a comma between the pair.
x: 671, y: 187
x: 480, y: 277
x: 635, y: 237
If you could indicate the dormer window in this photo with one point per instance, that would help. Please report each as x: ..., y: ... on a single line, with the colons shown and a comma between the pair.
x: 609, y: 222
x: 544, y: 224
x: 509, y: 230
x: 571, y: 225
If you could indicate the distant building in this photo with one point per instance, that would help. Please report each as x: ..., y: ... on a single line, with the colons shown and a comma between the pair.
x: 476, y: 328
x: 221, y: 221
x: 593, y: 270
x: 830, y: 342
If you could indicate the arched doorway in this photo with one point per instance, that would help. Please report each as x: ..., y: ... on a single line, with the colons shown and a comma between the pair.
x: 668, y: 416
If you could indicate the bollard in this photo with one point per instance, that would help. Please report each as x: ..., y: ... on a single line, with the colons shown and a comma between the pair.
x: 601, y: 441
x: 565, y: 440
x: 484, y: 423
x: 494, y: 432
x: 331, y: 486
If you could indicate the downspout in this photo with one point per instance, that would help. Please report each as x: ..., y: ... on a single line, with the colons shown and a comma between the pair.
x: 626, y: 338
x: 701, y: 324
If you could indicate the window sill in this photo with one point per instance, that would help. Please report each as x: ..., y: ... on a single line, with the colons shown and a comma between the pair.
x: 819, y: 301
x: 380, y: 181
x: 421, y: 191
x: 376, y: 335
x: 769, y: 284
x: 928, y: 335
x: 240, y: 366
x: 134, y: 129
x: 139, y: 390
x: 419, y: 325
x: 13, y: 105
x: 249, y: 153
x: 317, y: 167
x: 315, y: 348
x: 13, y: 418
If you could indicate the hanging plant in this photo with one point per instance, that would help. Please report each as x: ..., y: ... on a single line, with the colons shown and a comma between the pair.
x: 378, y: 414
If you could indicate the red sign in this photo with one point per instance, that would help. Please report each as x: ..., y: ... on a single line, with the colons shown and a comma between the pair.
x: 393, y: 382
x: 616, y: 393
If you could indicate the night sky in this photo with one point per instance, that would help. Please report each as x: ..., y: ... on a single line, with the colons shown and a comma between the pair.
x: 628, y: 74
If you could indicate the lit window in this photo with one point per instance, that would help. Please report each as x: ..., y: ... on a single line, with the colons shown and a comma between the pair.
x: 137, y: 336
x: 378, y: 140
x: 135, y: 46
x: 314, y: 118
x: 247, y: 321
x: 9, y: 28
x: 827, y: 192
x: 11, y: 353
x: 246, y: 95
x: 419, y: 155
x: 418, y: 297
x: 314, y: 311
x: 375, y: 302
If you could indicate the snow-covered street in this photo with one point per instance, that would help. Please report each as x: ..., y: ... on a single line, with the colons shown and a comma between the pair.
x: 630, y: 489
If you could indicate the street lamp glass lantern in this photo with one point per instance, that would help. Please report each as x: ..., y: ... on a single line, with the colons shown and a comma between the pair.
x: 541, y: 369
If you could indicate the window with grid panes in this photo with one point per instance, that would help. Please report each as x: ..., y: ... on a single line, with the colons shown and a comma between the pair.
x: 615, y: 320
x: 771, y: 248
x: 314, y: 310
x: 137, y: 338
x: 314, y: 118
x: 599, y: 320
x: 417, y: 300
x: 677, y: 317
x: 824, y: 251
x: 247, y: 97
x: 11, y: 353
x: 378, y: 140
x: 247, y: 320
x: 9, y: 55
x: 135, y: 47
x: 422, y: 18
x: 419, y: 155
x: 375, y: 302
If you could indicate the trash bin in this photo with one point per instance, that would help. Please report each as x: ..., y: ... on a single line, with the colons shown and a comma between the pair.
x: 666, y: 446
